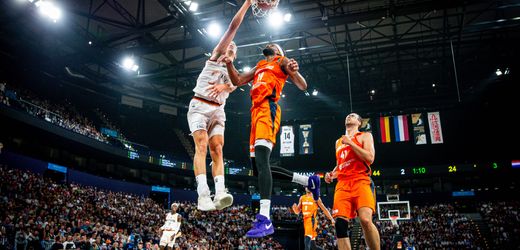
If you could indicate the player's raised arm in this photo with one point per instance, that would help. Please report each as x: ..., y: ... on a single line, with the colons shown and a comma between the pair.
x: 228, y: 36
x: 292, y: 68
x: 236, y: 78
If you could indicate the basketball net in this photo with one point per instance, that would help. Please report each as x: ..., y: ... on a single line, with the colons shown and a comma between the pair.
x: 393, y: 219
x: 262, y: 8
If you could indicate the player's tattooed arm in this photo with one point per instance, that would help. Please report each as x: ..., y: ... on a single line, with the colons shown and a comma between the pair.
x: 291, y: 68
x: 236, y: 78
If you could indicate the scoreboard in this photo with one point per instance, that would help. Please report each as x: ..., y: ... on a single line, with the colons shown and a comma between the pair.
x: 432, y: 170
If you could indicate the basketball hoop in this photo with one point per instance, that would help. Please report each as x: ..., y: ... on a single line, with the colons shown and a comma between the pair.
x: 393, y: 219
x: 262, y: 8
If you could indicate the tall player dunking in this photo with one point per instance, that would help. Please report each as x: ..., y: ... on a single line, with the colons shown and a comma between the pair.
x: 269, y: 78
x: 206, y: 117
x: 354, y: 195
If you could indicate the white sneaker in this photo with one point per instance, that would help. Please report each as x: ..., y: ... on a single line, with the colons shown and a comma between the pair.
x: 205, y: 203
x: 222, y: 200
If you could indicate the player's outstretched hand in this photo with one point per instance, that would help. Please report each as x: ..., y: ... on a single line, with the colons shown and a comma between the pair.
x: 225, y: 59
x: 216, y: 89
x: 346, y: 140
x: 293, y: 66
x: 328, y: 177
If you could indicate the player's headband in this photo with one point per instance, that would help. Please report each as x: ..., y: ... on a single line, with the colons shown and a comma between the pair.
x: 280, y: 50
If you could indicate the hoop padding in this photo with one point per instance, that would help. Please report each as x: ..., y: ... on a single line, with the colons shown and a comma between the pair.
x: 262, y: 8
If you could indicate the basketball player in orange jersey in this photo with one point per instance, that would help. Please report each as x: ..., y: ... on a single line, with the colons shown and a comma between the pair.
x: 269, y: 78
x: 206, y: 117
x: 355, y: 193
x: 309, y: 208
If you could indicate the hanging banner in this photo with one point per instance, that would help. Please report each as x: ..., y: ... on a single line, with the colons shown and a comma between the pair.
x: 287, y: 141
x: 365, y: 125
x: 384, y: 129
x: 434, y: 120
x: 306, y: 139
x: 418, y: 129
x: 401, y: 128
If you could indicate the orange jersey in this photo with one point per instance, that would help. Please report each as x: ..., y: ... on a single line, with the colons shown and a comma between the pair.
x: 268, y: 81
x: 350, y: 166
x: 309, y: 212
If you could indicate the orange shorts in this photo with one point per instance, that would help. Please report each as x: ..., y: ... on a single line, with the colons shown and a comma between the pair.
x: 310, y: 226
x: 351, y: 195
x: 265, y: 123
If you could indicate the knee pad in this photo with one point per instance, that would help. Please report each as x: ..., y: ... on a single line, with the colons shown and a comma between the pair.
x: 342, y: 229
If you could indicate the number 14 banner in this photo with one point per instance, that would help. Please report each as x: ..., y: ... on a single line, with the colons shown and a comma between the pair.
x: 287, y: 141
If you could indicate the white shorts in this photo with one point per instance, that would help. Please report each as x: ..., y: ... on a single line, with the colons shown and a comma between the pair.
x: 204, y: 116
x: 167, y: 238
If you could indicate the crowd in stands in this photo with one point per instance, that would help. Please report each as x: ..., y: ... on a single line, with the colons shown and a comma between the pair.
x: 220, y: 229
x: 437, y: 226
x: 37, y: 213
x: 504, y: 223
x: 62, y: 115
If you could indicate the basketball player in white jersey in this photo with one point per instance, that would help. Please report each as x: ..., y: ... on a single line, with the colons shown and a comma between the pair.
x: 171, y: 228
x: 207, y: 119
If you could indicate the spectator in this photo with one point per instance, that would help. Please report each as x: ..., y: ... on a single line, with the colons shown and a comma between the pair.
x: 504, y: 222
x: 71, y: 214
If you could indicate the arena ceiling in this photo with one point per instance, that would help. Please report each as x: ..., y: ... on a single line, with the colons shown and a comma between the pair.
x: 396, y: 54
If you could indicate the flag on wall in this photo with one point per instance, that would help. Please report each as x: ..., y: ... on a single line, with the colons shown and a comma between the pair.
x: 418, y: 129
x: 384, y: 129
x: 434, y: 120
x: 401, y: 128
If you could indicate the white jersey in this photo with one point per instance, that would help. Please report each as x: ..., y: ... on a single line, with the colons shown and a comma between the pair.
x: 213, y: 73
x: 172, y: 222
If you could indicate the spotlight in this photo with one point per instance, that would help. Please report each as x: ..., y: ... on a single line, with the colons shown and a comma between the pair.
x: 498, y: 72
x: 433, y: 85
x: 49, y: 10
x: 506, y: 72
x: 129, y: 64
x: 246, y: 69
x: 214, y: 30
x: 89, y: 42
x: 287, y: 17
x: 283, y: 95
x: 373, y: 92
x: 315, y: 92
x: 276, y: 19
x: 194, y: 6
